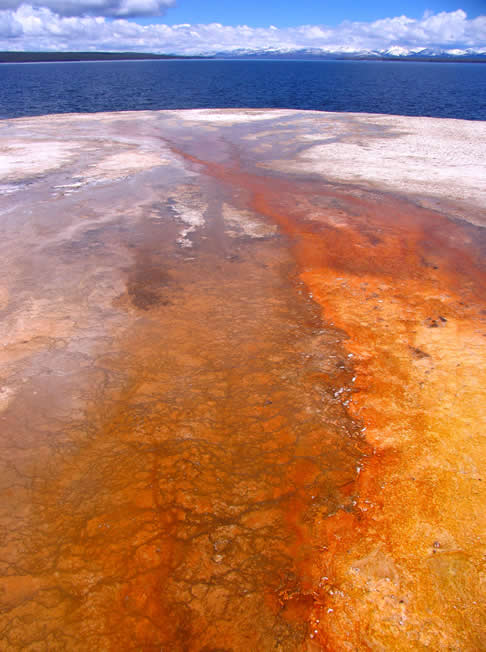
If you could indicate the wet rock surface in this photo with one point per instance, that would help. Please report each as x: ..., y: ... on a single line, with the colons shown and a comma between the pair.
x: 241, y: 405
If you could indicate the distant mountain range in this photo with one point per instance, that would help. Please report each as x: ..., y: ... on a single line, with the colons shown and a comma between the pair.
x: 393, y: 53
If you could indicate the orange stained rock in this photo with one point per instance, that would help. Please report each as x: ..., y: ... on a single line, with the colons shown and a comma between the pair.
x: 407, y: 286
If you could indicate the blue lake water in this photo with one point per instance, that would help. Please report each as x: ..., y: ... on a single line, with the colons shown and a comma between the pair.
x: 449, y: 90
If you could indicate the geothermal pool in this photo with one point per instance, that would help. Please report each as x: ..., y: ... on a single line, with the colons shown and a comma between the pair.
x: 242, y: 382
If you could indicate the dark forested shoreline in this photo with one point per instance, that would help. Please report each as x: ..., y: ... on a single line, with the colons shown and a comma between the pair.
x: 46, y: 57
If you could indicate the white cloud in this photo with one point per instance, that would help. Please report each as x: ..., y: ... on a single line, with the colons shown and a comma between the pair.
x: 114, y: 8
x: 40, y: 28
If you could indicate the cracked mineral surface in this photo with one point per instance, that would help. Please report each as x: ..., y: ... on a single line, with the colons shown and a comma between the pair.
x: 242, y: 382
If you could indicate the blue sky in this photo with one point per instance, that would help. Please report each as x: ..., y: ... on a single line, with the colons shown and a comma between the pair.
x: 212, y: 26
x: 286, y: 13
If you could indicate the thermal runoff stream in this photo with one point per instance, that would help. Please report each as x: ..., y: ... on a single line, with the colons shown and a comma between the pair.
x: 242, y: 382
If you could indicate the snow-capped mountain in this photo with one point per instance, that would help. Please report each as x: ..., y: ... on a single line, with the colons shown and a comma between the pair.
x: 345, y: 52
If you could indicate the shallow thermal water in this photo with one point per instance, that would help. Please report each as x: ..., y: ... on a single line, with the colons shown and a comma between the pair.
x: 209, y: 367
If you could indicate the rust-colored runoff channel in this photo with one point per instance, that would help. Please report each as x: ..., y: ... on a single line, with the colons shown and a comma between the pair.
x: 406, y: 288
x: 249, y: 471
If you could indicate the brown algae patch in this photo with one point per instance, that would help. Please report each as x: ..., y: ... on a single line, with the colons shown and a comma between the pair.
x: 176, y: 508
